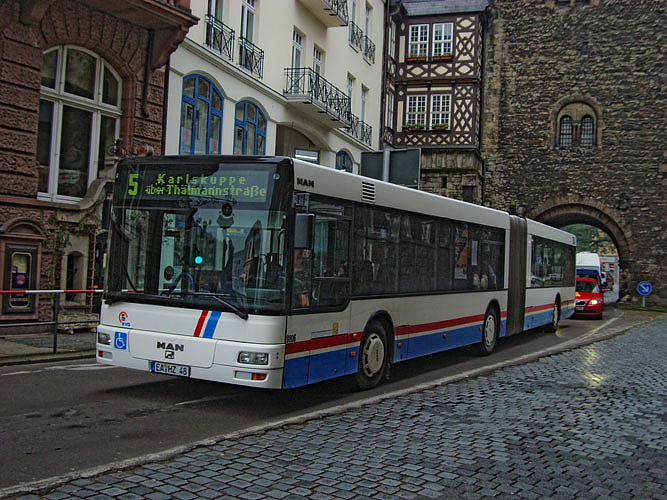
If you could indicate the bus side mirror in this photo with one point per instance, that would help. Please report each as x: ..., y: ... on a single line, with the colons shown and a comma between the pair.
x: 303, y: 230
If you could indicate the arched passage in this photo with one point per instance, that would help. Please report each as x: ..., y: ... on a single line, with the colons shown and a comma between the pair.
x: 560, y: 213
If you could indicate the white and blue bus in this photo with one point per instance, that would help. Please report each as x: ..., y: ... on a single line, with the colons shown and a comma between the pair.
x: 273, y: 272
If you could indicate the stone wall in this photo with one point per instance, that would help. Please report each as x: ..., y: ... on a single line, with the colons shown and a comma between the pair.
x: 610, y: 55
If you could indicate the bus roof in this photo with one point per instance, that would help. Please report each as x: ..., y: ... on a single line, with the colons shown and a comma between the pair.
x: 552, y: 233
x: 318, y: 179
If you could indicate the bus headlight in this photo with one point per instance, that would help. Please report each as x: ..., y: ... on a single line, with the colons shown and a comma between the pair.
x: 103, y: 338
x: 253, y: 358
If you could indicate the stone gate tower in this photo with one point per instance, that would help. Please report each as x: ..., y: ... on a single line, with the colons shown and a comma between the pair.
x: 574, y: 109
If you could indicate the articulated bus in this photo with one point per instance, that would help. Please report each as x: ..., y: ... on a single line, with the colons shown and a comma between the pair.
x: 277, y: 273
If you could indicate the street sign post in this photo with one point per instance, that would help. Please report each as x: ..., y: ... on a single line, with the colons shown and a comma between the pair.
x: 644, y: 288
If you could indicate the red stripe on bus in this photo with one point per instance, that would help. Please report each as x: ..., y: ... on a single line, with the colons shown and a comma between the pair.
x: 200, y: 323
x: 543, y: 307
x: 296, y: 347
x: 321, y: 343
x: 338, y: 340
x: 437, y: 325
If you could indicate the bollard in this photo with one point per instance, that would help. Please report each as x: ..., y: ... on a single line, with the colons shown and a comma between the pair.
x: 56, y: 307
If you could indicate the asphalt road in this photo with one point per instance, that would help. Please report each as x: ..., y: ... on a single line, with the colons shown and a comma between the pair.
x: 59, y: 418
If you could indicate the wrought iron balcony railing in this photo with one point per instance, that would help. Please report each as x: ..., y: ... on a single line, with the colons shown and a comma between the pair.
x: 356, y: 36
x: 369, y: 50
x: 338, y: 7
x: 361, y: 42
x: 251, y: 57
x: 304, y: 83
x: 220, y: 37
x: 360, y: 130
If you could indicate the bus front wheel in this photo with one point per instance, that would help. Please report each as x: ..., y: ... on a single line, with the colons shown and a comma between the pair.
x: 372, y: 356
x: 489, y: 332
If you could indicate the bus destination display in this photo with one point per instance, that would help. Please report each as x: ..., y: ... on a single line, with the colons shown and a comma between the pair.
x: 238, y: 185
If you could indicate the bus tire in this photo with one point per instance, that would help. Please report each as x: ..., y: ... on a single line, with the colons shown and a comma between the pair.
x: 489, y: 332
x: 373, y: 352
x: 553, y: 326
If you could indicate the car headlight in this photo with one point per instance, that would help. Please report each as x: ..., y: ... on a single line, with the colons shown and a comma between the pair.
x: 594, y: 302
x: 253, y: 358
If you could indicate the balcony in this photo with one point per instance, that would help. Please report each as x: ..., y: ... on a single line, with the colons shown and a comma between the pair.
x: 356, y: 36
x: 361, y: 131
x: 331, y: 13
x: 317, y: 97
x: 219, y: 37
x: 360, y: 42
x: 251, y: 57
x: 369, y: 50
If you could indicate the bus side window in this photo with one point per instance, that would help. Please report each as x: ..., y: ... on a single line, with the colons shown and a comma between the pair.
x: 330, y: 252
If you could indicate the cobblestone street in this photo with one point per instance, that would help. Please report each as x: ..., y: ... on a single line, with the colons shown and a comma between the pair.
x: 587, y: 424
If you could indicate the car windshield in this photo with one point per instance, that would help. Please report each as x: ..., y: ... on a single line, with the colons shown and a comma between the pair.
x: 587, y: 286
x: 213, y: 252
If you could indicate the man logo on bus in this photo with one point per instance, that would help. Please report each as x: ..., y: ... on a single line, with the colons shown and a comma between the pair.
x: 123, y: 319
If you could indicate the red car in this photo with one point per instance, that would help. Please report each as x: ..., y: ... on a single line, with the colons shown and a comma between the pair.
x: 588, y: 299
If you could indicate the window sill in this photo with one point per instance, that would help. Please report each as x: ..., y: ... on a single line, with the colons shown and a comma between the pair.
x: 409, y: 130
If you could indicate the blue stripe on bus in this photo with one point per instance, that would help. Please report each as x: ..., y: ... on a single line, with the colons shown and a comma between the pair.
x: 435, y: 342
x: 295, y: 372
x: 308, y: 369
x: 211, y: 324
x: 537, y: 319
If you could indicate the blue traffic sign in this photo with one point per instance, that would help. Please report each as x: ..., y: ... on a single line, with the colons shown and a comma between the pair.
x: 644, y: 288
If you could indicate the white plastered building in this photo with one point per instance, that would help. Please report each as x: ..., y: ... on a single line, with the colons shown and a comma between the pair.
x: 286, y: 77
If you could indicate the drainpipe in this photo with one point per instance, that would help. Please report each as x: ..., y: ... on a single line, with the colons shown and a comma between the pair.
x: 165, y: 105
x: 147, y: 73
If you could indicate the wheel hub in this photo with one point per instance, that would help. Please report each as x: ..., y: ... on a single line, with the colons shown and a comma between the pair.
x: 373, y: 355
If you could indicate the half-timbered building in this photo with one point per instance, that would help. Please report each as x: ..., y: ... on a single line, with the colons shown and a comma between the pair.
x: 433, y: 87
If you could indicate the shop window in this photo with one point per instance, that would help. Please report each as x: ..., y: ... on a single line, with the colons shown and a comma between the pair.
x: 20, y: 270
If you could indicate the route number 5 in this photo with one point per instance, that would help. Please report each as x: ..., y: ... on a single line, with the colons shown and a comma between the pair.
x: 134, y: 185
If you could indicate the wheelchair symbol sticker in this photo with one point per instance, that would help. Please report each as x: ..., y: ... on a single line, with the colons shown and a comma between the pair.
x: 120, y: 340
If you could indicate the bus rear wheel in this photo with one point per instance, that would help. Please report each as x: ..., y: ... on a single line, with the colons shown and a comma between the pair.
x: 489, y: 332
x: 373, y: 353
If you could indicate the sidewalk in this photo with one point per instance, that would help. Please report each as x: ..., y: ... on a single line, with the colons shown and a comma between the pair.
x: 589, y: 423
x: 38, y: 347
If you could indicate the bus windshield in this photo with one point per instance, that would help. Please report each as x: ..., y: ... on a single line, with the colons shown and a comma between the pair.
x: 205, y: 235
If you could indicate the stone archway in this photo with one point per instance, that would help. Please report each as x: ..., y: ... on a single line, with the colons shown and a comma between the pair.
x: 565, y: 211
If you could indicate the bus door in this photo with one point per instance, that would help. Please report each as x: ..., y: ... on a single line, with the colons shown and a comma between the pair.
x: 321, y: 290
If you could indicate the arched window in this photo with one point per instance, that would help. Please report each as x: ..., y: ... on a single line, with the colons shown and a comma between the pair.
x: 250, y: 129
x: 587, y: 131
x: 79, y: 115
x: 343, y: 161
x: 576, y: 125
x: 566, y: 131
x: 201, y: 116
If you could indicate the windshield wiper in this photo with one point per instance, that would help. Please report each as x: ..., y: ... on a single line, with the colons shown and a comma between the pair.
x: 219, y: 297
